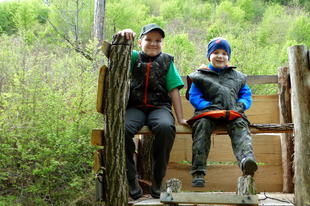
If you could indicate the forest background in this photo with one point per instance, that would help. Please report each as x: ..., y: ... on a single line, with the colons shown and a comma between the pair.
x: 49, y: 69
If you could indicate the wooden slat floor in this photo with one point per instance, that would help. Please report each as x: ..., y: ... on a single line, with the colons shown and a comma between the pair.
x: 265, y: 199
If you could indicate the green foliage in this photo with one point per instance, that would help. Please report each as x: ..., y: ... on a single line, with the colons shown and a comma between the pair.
x: 75, y: 17
x: 300, y: 30
x: 196, y: 12
x: 227, y: 19
x: 183, y: 51
x: 248, y: 7
x: 125, y: 14
x: 21, y: 15
x: 273, y: 26
x: 47, y: 112
x: 283, y: 54
x: 171, y: 9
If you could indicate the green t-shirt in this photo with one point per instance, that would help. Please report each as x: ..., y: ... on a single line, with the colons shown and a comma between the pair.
x: 173, y: 79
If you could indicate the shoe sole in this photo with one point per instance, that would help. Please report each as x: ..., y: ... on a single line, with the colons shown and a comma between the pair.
x: 249, y: 167
x: 154, y: 194
x: 199, y: 183
x: 138, y: 195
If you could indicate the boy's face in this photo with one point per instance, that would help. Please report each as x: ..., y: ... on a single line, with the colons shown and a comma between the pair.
x: 151, y: 43
x: 219, y: 58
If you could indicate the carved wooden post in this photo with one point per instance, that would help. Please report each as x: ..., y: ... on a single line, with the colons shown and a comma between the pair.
x: 299, y: 75
x: 115, y: 99
x: 287, y: 144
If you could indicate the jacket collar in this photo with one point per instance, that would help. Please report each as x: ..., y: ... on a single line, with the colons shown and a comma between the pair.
x: 146, y: 58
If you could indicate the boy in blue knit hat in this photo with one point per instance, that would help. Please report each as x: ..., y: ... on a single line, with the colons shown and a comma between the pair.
x: 220, y: 95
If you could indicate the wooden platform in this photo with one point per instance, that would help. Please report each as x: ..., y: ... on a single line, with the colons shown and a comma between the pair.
x: 264, y: 199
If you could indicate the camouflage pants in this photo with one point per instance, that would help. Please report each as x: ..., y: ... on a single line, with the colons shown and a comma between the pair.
x: 238, y: 131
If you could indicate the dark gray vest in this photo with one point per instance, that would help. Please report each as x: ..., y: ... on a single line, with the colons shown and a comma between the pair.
x: 148, y: 81
x: 221, y: 90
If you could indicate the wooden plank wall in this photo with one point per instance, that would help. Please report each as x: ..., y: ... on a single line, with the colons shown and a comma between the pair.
x: 267, y: 149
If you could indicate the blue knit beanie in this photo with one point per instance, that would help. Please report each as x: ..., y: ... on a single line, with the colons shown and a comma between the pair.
x: 218, y: 43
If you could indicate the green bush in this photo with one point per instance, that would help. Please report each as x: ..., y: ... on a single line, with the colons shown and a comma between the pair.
x: 48, y: 109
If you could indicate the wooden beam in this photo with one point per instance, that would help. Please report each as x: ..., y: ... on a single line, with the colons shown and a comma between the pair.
x: 98, y: 134
x: 220, y: 129
x: 203, y: 198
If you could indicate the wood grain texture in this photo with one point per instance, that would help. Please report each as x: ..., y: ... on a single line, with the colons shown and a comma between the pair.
x: 287, y: 139
x: 300, y: 82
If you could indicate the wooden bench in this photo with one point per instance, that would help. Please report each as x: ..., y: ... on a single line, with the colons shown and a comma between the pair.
x: 265, y: 129
x: 264, y: 114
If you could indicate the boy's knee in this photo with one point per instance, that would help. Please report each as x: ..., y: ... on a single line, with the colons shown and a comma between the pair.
x: 239, y: 123
x: 203, y: 122
x: 163, y: 126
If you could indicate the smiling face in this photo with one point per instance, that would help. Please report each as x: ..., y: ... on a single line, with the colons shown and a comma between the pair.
x: 151, y: 43
x: 219, y: 58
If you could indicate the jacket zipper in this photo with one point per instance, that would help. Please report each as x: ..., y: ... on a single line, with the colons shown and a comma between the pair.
x: 146, y: 82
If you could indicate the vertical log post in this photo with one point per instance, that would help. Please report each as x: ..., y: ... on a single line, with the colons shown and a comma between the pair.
x: 115, y: 99
x: 287, y: 144
x: 145, y: 157
x: 145, y: 162
x: 299, y: 75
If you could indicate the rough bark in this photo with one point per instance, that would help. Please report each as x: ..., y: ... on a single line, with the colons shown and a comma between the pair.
x: 173, y: 185
x: 116, y: 85
x: 299, y: 75
x: 99, y: 21
x: 246, y: 186
x: 287, y: 144
x: 145, y: 157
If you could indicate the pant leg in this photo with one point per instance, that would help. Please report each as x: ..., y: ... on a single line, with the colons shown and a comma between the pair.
x: 162, y: 124
x: 201, y: 135
x: 241, y: 139
x: 135, y: 119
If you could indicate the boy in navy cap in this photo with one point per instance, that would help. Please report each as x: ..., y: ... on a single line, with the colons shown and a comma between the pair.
x: 219, y: 95
x: 154, y: 87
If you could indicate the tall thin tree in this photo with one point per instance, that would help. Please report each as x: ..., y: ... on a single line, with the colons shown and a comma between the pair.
x: 99, y: 21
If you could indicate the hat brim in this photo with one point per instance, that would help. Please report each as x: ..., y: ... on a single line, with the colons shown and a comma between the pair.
x: 158, y: 29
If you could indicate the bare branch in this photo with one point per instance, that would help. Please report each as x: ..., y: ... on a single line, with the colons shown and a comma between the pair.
x: 68, y: 40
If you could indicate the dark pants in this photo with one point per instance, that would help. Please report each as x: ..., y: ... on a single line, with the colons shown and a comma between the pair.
x: 238, y: 131
x: 161, y: 123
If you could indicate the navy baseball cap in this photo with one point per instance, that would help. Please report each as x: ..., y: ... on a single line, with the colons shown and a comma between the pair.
x: 150, y: 27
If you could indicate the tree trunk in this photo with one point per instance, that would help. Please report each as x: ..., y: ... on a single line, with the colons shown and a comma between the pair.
x: 287, y: 144
x: 116, y: 85
x: 99, y: 21
x: 299, y: 75
x: 145, y: 157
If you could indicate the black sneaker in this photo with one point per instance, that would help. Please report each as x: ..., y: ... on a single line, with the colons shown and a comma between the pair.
x: 198, y: 179
x: 249, y: 166
x: 135, y: 191
x: 155, y: 189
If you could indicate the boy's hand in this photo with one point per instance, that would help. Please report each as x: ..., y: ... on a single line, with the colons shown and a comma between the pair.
x: 183, y: 122
x: 128, y: 33
x: 202, y: 66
